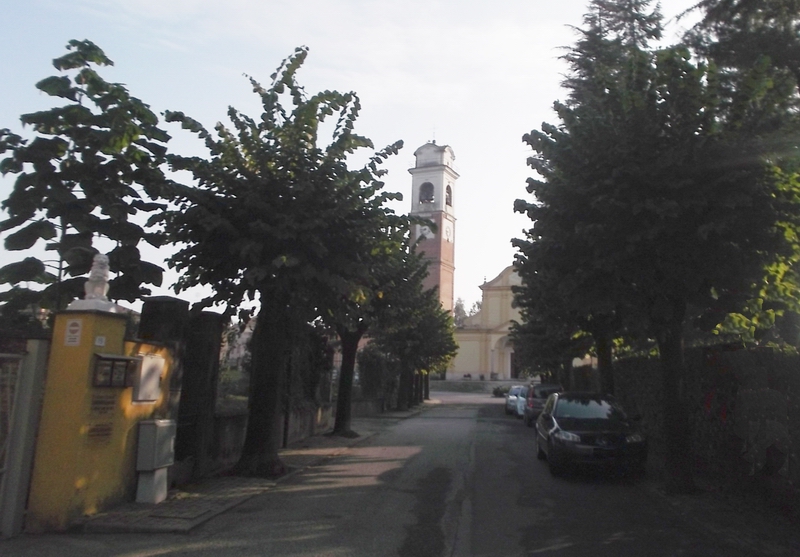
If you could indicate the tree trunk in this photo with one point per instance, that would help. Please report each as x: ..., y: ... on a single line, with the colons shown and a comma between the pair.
x: 605, y: 364
x: 269, y: 351
x: 415, y: 398
x: 677, y: 426
x: 427, y: 386
x: 344, y: 402
x: 405, y: 389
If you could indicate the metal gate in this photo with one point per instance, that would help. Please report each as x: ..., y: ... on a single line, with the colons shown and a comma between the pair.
x: 21, y: 387
x: 9, y: 377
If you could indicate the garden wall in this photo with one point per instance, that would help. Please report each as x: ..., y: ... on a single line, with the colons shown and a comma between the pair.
x: 745, y: 415
x: 229, y: 430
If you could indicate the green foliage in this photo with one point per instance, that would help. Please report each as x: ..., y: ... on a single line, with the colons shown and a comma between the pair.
x: 92, y: 165
x: 500, y: 391
x: 273, y: 209
x: 737, y: 34
x: 660, y: 185
x: 378, y: 372
x: 417, y: 332
x: 668, y: 195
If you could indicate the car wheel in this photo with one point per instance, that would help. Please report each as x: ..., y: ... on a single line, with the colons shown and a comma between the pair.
x: 540, y: 454
x: 556, y: 467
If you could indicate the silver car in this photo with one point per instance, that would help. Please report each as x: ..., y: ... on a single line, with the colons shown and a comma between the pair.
x: 511, y: 399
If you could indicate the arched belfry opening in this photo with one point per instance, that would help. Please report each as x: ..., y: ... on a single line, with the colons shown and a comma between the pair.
x: 448, y: 196
x: 426, y: 194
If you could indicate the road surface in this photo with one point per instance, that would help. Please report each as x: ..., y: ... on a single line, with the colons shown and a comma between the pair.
x: 460, y: 479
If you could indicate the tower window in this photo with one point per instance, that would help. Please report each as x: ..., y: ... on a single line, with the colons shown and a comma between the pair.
x: 448, y: 197
x: 426, y: 193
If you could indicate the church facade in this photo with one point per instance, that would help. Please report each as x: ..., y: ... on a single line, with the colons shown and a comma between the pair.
x: 484, y: 348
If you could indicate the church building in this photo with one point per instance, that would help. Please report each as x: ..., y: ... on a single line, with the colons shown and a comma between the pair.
x: 484, y: 347
x: 483, y: 344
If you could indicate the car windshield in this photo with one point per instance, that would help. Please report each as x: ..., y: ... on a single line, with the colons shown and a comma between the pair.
x: 523, y: 392
x: 588, y: 408
x: 544, y: 392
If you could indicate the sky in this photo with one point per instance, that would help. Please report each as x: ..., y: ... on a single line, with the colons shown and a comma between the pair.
x: 475, y: 75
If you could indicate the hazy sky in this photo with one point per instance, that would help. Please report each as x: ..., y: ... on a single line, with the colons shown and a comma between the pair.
x: 475, y: 75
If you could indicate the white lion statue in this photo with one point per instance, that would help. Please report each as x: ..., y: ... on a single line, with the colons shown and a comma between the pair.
x: 96, y: 287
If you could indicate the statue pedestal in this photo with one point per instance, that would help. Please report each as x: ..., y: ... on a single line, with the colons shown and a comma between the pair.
x: 93, y: 305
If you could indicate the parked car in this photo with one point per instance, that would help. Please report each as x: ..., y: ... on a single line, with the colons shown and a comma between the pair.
x: 522, y: 396
x: 511, y: 399
x: 591, y: 429
x: 537, y: 395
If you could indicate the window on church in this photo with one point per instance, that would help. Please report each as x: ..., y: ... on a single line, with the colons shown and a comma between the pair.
x: 448, y: 198
x: 426, y: 193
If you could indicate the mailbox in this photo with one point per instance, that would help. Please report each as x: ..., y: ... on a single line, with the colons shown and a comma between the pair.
x: 156, y: 444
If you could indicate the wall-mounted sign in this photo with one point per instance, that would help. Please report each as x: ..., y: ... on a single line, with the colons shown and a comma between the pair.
x: 99, y: 433
x: 72, y: 333
x: 103, y: 402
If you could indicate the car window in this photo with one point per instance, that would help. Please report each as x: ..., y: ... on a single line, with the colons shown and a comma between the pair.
x: 587, y: 408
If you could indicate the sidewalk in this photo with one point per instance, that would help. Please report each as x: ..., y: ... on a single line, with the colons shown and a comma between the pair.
x: 193, y: 505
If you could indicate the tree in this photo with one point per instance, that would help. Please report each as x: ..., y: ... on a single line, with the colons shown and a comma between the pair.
x: 416, y: 331
x: 548, y: 336
x: 459, y: 313
x: 93, y: 165
x: 562, y: 295
x: 737, y: 34
x: 670, y: 182
x: 385, y: 261
x: 269, y: 221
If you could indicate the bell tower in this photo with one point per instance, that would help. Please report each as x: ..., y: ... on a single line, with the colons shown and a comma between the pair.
x: 433, y: 181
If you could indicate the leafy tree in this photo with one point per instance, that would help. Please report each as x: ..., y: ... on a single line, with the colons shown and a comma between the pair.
x: 386, y: 260
x: 378, y: 373
x: 738, y: 34
x: 93, y: 165
x: 667, y: 184
x: 270, y: 221
x: 459, y: 313
x: 563, y: 296
x: 548, y: 336
x: 417, y: 332
x: 474, y: 309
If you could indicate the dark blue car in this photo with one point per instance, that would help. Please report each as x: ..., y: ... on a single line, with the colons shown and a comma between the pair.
x: 588, y: 429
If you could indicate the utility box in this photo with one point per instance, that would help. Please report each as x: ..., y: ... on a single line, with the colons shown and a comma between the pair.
x: 156, y: 444
x: 147, y: 379
x: 156, y: 453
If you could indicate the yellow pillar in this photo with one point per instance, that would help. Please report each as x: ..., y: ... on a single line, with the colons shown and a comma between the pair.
x: 85, y: 453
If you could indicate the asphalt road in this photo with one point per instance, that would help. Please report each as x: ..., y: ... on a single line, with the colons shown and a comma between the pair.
x: 460, y: 479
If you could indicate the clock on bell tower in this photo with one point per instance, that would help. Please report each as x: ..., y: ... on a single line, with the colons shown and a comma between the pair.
x: 433, y: 181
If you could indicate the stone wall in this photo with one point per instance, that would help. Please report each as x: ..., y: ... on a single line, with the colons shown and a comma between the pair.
x: 230, y: 428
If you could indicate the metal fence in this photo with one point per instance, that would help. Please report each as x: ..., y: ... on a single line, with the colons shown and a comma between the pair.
x: 21, y: 386
x: 9, y: 378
